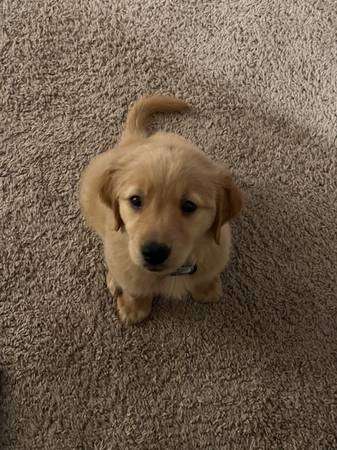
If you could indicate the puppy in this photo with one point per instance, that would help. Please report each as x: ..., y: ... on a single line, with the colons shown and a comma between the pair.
x: 162, y: 209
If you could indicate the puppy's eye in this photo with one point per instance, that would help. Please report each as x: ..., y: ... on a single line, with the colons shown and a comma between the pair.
x: 136, y: 201
x: 188, y: 207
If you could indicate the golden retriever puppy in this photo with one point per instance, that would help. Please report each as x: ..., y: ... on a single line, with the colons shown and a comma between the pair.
x: 162, y: 209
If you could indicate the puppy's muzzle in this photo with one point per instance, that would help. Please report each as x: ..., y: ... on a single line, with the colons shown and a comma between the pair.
x: 154, y: 254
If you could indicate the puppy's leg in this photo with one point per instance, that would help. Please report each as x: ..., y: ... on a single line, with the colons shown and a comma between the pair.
x: 208, y: 291
x: 133, y: 309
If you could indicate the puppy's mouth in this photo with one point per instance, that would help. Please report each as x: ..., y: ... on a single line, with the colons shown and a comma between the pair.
x: 154, y: 268
x: 185, y: 269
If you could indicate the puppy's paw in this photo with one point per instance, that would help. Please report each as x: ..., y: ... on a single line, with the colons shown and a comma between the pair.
x: 133, y: 310
x: 209, y: 292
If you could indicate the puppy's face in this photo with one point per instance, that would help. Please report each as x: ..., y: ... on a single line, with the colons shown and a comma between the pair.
x: 167, y: 199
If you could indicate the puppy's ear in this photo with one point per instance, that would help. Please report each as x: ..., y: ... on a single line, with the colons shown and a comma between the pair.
x: 229, y: 203
x: 108, y: 195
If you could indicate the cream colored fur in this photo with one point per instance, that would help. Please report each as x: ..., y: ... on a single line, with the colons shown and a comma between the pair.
x: 162, y: 168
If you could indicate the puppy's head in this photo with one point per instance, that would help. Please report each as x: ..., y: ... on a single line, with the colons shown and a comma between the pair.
x: 167, y: 196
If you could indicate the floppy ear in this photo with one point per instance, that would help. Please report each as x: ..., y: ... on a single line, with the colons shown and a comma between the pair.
x: 229, y: 203
x: 108, y: 195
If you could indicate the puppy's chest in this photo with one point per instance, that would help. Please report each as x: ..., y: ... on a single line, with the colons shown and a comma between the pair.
x: 175, y: 286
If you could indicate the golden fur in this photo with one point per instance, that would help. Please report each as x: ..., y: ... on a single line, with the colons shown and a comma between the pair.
x: 162, y: 169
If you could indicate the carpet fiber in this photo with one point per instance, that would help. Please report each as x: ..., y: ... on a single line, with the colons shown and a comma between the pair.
x: 258, y: 370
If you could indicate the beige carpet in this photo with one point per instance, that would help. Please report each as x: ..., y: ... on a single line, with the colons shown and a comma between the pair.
x: 258, y: 370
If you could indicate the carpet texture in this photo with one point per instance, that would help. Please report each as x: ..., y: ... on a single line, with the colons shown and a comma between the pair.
x: 258, y: 370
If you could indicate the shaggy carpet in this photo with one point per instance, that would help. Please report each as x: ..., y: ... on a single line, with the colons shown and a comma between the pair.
x: 258, y: 370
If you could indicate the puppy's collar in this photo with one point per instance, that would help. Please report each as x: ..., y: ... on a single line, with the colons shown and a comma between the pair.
x: 186, y: 269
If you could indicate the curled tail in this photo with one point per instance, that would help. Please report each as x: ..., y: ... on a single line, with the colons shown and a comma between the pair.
x: 139, y: 113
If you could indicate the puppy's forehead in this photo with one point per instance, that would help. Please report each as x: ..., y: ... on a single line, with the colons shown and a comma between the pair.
x: 171, y: 171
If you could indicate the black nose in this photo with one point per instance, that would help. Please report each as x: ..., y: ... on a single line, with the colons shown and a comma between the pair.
x: 154, y: 253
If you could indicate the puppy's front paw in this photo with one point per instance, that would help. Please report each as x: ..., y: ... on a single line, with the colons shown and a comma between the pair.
x: 132, y: 310
x: 209, y: 292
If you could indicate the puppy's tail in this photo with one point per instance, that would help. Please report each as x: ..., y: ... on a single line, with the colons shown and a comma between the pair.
x: 139, y: 113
